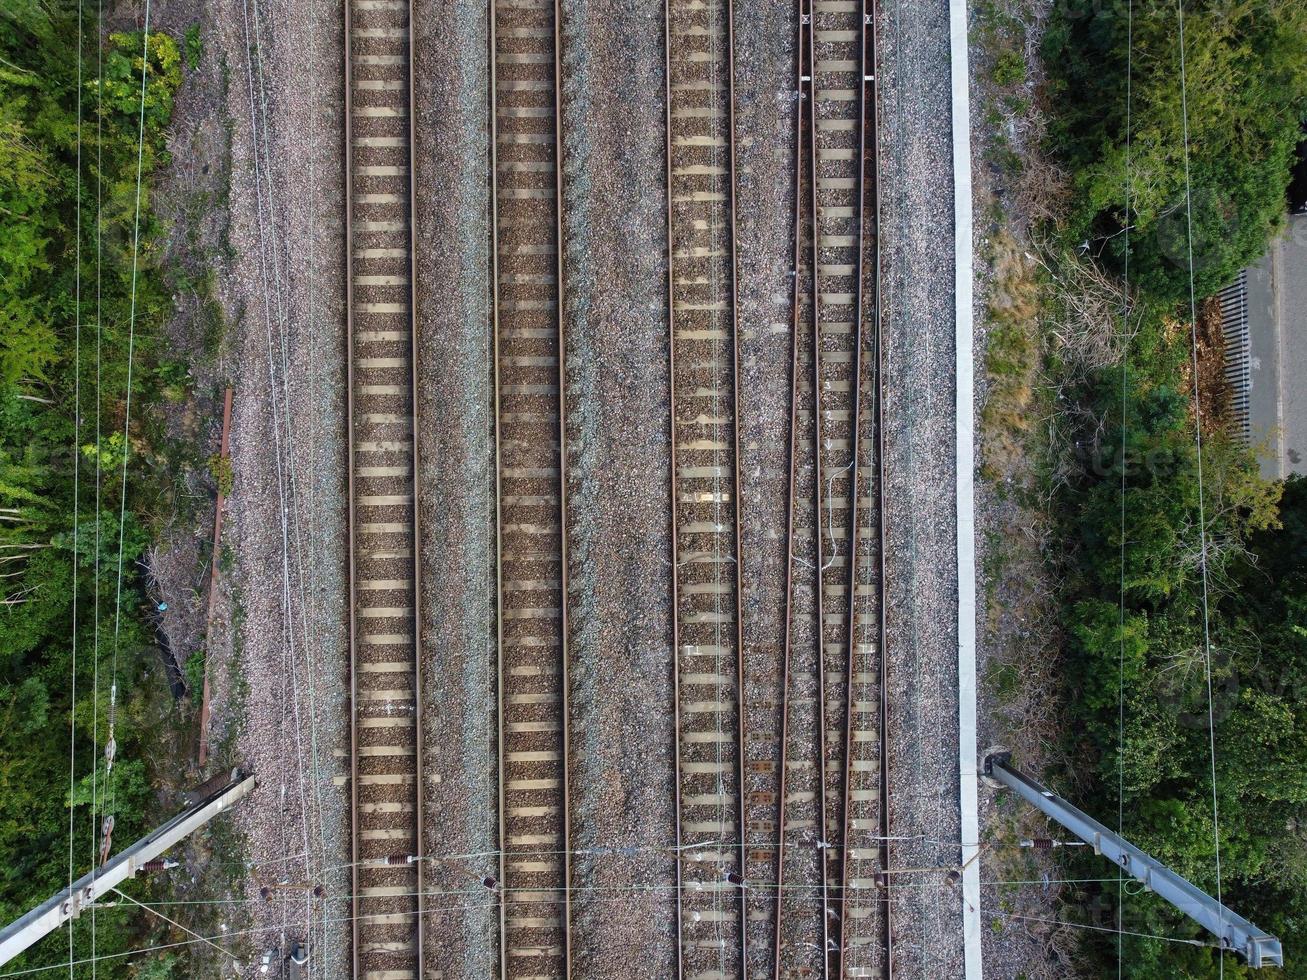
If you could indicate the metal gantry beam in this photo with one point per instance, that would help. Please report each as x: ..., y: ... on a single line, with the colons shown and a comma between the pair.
x: 69, y: 903
x: 1232, y: 931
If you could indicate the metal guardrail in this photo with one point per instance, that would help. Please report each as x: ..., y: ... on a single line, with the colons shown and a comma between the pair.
x: 68, y: 904
x: 1238, y: 362
x: 1232, y: 930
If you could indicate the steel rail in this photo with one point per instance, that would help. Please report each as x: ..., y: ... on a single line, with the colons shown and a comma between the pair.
x: 887, y: 922
x: 868, y: 106
x: 352, y: 584
x: 414, y: 348
x: 671, y: 440
x: 856, y: 416
x: 562, y: 483
x: 360, y: 864
x: 819, y: 483
x: 802, y: 92
x: 696, y: 220
x: 496, y: 9
x: 493, y: 112
x: 740, y: 706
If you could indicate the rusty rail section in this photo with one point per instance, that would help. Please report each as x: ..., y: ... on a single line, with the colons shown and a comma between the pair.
x: 531, y: 540
x: 219, y: 506
x: 707, y: 591
x: 384, y: 591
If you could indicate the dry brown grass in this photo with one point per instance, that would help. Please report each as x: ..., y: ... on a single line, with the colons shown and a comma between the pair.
x: 1011, y: 357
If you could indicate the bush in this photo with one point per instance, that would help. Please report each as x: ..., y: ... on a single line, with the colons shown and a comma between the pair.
x: 1009, y: 68
x: 38, y: 249
x: 1246, y: 66
x: 194, y: 47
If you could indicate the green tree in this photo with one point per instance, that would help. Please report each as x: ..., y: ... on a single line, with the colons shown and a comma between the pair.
x: 1246, y: 73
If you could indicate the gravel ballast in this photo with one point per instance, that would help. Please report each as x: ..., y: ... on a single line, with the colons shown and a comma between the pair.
x: 764, y: 189
x: 281, y: 692
x: 618, y: 453
x: 617, y: 456
x: 922, y: 740
x: 456, y: 481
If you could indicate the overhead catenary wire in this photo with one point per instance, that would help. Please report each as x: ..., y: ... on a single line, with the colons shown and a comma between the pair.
x: 294, y: 595
x: 77, y: 438
x: 1198, y: 441
x: 1125, y: 372
x: 264, y: 178
x: 127, y: 410
x: 127, y: 421
x: 153, y: 911
x: 668, y: 893
x: 99, y: 336
x: 291, y: 514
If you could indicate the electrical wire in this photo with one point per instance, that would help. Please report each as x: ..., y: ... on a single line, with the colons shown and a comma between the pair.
x: 1198, y: 441
x: 667, y: 893
x: 127, y: 412
x: 1125, y: 369
x: 153, y: 911
x: 127, y: 419
x: 99, y: 336
x: 77, y: 437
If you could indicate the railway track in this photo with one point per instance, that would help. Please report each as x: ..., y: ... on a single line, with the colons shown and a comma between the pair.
x: 386, y: 702
x: 835, y: 151
x: 864, y: 903
x: 829, y: 909
x: 531, y: 541
x: 836, y: 604
x: 707, y: 589
x: 800, y: 918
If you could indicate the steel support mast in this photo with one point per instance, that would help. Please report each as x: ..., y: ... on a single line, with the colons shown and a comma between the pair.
x: 1232, y: 931
x: 69, y: 903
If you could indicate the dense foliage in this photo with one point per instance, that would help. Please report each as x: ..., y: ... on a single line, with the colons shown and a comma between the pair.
x: 1149, y: 657
x: 1137, y: 624
x: 1246, y: 72
x: 1137, y: 618
x: 41, y: 384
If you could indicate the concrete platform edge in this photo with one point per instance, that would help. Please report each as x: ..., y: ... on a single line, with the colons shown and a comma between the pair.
x: 966, y: 554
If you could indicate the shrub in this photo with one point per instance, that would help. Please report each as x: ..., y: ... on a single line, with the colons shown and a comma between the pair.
x: 1009, y: 68
x: 194, y: 47
x: 1246, y: 68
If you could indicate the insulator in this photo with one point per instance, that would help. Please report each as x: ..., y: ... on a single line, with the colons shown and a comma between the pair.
x: 159, y: 864
x: 1040, y: 843
x: 110, y: 750
x: 735, y: 878
x: 394, y: 859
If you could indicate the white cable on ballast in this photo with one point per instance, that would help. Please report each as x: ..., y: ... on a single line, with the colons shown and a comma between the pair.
x: 291, y: 513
